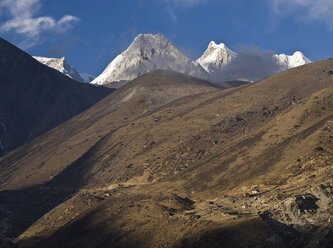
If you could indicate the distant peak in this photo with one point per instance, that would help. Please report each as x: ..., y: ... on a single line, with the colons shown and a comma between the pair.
x: 141, y: 36
x: 216, y: 56
x: 295, y: 54
x: 45, y: 59
x: 146, y: 53
x: 160, y: 35
x: 148, y: 43
x: 213, y: 44
x: 150, y: 36
x: 298, y: 54
x: 291, y: 61
x: 60, y: 65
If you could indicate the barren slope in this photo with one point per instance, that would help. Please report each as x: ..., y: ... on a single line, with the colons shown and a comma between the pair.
x: 250, y: 166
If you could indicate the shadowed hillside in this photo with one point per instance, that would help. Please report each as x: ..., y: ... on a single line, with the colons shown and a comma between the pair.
x: 35, y: 98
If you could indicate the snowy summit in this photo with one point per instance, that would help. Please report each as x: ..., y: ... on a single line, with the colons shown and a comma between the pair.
x: 216, y: 56
x: 147, y: 53
x: 218, y: 60
x: 62, y: 66
x: 291, y: 61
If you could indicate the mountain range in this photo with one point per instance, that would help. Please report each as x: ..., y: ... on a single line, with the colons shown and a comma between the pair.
x: 222, y: 63
x: 149, y: 52
x: 167, y: 159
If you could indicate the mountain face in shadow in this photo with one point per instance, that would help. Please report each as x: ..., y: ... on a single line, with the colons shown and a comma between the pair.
x: 35, y: 98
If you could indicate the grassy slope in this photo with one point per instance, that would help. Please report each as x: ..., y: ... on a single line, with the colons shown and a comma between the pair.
x: 133, y: 184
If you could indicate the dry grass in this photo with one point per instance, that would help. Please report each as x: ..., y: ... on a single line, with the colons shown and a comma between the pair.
x: 180, y: 164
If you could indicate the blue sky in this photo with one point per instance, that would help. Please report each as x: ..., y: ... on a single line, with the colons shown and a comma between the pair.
x: 91, y: 33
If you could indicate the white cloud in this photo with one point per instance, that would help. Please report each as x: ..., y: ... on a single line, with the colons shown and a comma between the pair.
x: 311, y: 9
x: 173, y: 6
x: 23, y: 19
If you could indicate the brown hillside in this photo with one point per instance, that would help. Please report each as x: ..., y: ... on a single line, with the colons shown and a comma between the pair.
x: 243, y: 167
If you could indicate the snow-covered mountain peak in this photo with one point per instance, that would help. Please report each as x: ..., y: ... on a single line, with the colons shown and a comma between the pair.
x: 146, y: 53
x: 298, y: 54
x: 221, y: 47
x: 146, y: 45
x: 216, y: 56
x: 61, y: 66
x: 291, y: 61
x: 52, y: 61
x: 149, y: 38
x: 298, y: 58
x: 147, y: 41
x: 213, y: 45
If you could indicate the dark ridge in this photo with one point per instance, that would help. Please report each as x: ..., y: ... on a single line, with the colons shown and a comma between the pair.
x: 35, y: 98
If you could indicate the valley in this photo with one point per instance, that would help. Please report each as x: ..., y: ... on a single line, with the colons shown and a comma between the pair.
x: 166, y: 124
x: 169, y: 160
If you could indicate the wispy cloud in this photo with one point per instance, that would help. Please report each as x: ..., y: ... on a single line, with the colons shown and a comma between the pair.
x: 23, y: 20
x: 321, y: 10
x: 251, y: 63
x: 173, y: 6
